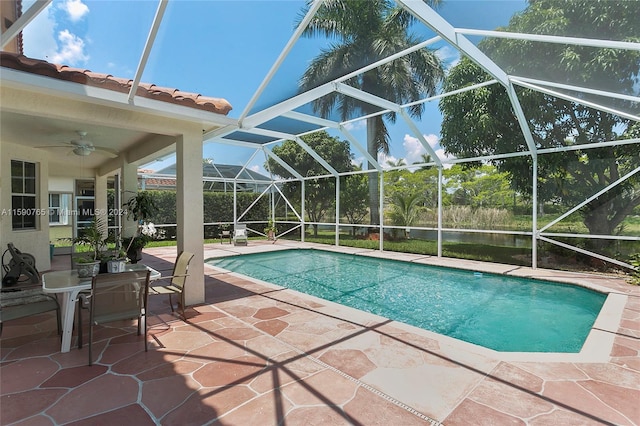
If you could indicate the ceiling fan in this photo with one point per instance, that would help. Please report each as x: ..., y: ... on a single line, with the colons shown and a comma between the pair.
x: 84, y: 147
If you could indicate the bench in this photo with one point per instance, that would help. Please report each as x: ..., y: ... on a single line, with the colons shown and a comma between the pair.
x: 20, y: 303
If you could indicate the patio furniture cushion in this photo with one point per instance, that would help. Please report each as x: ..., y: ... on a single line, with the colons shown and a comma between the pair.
x: 240, y: 235
x: 26, y: 302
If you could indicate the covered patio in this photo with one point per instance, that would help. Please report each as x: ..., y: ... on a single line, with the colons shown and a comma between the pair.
x: 254, y: 353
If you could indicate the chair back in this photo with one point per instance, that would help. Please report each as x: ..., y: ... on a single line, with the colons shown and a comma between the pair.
x: 181, y: 269
x: 119, y: 296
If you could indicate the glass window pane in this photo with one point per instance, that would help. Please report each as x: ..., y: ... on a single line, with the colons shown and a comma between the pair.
x: 29, y: 186
x: 16, y: 168
x: 16, y: 185
x: 30, y: 170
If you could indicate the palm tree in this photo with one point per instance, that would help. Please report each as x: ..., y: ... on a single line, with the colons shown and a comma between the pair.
x: 367, y: 31
x: 405, y: 209
x: 424, y: 159
x: 398, y: 163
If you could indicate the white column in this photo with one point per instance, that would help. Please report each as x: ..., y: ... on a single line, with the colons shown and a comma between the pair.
x: 189, y: 210
x: 101, y: 201
x: 129, y: 185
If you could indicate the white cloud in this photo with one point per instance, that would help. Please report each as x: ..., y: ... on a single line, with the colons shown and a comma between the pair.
x: 75, y: 9
x: 449, y: 56
x: 414, y: 148
x: 256, y: 169
x: 38, y: 39
x: 71, y: 50
x: 383, y: 159
x: 43, y: 41
x: 356, y: 125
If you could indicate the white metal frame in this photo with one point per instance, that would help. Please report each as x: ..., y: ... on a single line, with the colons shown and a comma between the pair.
x: 249, y: 123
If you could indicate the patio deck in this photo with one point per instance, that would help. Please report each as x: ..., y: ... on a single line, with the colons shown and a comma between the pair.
x: 257, y: 354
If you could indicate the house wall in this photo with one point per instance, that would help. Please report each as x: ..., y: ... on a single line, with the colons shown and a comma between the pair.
x: 34, y: 242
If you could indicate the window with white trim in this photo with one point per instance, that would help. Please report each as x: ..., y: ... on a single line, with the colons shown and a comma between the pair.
x: 23, y: 195
x: 59, y: 208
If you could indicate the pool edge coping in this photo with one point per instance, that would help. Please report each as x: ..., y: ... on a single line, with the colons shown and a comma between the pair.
x: 596, y: 348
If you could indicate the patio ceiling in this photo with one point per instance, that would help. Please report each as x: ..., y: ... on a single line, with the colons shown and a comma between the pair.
x: 273, y: 115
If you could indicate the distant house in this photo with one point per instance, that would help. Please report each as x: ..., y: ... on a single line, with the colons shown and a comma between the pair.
x: 216, y: 177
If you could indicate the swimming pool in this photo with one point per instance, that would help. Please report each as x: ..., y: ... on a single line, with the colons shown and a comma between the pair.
x: 508, y: 314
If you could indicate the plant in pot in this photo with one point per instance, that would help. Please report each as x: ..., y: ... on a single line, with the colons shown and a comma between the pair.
x: 87, y: 263
x: 114, y: 260
x: 140, y: 208
x: 270, y: 230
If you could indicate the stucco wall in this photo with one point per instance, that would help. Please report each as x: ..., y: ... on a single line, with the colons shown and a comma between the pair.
x: 35, y: 242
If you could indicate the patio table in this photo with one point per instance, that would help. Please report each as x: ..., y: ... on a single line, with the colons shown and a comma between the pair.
x: 69, y: 285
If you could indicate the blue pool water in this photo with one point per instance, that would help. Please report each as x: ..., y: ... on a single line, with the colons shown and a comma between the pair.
x: 507, y: 314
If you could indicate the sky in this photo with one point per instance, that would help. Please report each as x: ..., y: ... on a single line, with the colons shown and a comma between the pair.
x: 225, y: 48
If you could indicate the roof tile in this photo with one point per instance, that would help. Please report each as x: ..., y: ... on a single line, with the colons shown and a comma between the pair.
x: 109, y: 82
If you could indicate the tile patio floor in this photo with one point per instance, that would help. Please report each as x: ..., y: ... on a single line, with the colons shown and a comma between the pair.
x: 257, y: 354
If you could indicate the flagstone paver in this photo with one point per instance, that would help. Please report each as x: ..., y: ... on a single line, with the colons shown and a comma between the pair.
x: 257, y: 354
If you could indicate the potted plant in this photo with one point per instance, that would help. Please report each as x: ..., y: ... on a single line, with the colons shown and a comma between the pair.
x: 116, y: 262
x: 270, y: 230
x: 88, y: 263
x: 134, y: 246
x: 140, y: 208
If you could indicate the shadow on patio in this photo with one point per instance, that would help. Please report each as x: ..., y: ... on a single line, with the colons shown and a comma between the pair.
x: 258, y: 355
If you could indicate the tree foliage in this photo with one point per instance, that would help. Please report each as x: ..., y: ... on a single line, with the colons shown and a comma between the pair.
x: 482, y: 122
x: 354, y: 197
x: 320, y: 194
x: 365, y: 32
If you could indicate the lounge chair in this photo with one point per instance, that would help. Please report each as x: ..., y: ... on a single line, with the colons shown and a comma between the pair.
x: 240, y: 235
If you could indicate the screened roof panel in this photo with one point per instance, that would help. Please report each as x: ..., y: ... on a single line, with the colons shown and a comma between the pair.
x: 288, y: 125
x: 249, y: 137
x: 587, y: 67
x: 623, y: 106
x: 228, y: 49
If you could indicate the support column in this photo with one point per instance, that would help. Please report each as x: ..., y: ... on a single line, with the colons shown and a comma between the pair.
x: 381, y: 209
x: 101, y: 201
x: 440, y: 179
x: 189, y: 210
x: 302, y: 212
x: 129, y: 185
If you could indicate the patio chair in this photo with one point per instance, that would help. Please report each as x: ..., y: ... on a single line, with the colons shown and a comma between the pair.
x: 177, y: 281
x: 116, y: 297
x: 240, y: 235
x: 223, y: 235
x: 25, y: 302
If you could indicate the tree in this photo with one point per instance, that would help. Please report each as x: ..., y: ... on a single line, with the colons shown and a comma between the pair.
x: 367, y: 31
x: 405, y: 209
x: 354, y: 197
x: 482, y: 122
x: 320, y: 194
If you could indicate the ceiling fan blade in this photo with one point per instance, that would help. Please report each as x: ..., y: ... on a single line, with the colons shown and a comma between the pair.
x: 112, y: 153
x: 53, y: 146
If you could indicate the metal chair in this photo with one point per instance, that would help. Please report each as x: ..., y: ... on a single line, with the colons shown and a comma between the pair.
x: 223, y: 235
x: 177, y: 281
x: 116, y: 297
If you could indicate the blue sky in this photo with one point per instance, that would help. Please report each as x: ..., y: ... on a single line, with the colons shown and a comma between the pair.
x: 221, y: 48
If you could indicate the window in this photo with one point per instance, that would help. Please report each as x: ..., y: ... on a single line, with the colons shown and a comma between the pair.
x: 23, y: 195
x: 59, y: 209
